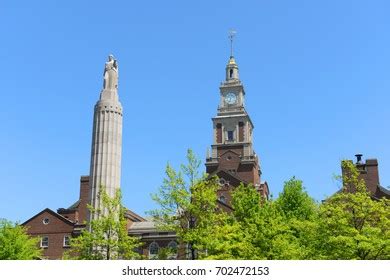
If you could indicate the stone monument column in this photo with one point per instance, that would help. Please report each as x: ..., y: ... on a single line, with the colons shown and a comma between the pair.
x: 105, y: 169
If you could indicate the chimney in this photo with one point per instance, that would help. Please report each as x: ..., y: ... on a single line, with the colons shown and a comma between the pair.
x: 358, y: 158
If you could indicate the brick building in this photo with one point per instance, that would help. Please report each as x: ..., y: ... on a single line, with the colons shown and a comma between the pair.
x: 56, y: 227
x: 368, y: 171
x: 232, y: 159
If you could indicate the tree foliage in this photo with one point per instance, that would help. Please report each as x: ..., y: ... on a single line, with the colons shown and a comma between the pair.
x: 300, y: 213
x: 106, y: 237
x: 16, y: 244
x: 188, y: 203
x: 348, y: 225
x: 352, y: 224
x: 273, y: 228
x: 294, y: 202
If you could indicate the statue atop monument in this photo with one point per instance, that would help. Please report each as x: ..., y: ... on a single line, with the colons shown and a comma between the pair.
x: 111, y: 73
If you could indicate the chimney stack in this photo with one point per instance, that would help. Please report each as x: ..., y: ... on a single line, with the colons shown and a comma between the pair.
x: 358, y: 158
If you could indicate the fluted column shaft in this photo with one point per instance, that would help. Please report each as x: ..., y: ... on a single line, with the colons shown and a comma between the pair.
x: 105, y: 170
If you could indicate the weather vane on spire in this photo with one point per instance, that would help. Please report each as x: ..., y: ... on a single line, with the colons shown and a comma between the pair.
x: 232, y: 34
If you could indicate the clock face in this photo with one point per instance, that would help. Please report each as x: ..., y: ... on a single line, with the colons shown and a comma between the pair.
x: 230, y: 98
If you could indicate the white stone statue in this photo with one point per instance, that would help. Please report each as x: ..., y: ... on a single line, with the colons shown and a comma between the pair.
x: 111, y: 73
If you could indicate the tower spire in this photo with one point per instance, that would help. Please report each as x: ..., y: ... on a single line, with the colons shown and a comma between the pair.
x: 232, y: 34
x: 232, y: 67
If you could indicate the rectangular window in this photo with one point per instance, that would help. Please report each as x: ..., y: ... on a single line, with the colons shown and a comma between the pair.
x: 230, y: 135
x: 66, y: 241
x: 44, y: 242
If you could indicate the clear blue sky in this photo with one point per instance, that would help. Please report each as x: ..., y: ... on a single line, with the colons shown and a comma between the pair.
x: 316, y: 73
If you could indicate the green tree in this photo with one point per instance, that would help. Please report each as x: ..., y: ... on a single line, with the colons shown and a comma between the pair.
x: 228, y: 241
x: 106, y: 237
x: 274, y: 229
x: 241, y: 233
x: 187, y: 205
x: 166, y: 253
x: 16, y: 244
x: 352, y: 224
x: 294, y: 202
x: 267, y: 234
x: 300, y: 213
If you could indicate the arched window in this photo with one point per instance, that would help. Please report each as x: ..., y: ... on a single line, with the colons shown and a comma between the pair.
x: 231, y: 73
x: 153, y: 250
x: 222, y: 199
x: 172, y: 246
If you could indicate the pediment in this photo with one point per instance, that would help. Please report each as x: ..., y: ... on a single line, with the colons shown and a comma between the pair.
x: 231, y: 153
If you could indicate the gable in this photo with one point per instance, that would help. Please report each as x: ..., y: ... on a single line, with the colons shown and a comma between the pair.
x: 47, y: 221
x: 229, y: 152
x: 233, y: 179
x: 229, y: 160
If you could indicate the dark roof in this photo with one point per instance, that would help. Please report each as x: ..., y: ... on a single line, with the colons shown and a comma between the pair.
x: 384, y: 190
x: 63, y: 211
x: 52, y: 213
x: 381, y: 192
x: 378, y: 194
x: 74, y: 205
x: 134, y: 216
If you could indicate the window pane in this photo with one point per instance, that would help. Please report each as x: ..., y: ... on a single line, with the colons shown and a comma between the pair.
x: 66, y: 241
x: 230, y: 135
x: 45, y: 242
x: 153, y: 248
x: 172, y: 245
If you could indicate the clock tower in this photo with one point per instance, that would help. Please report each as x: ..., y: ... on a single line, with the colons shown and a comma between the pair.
x: 232, y: 157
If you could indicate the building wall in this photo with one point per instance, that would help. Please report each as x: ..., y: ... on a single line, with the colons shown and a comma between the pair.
x: 368, y: 171
x: 55, y: 230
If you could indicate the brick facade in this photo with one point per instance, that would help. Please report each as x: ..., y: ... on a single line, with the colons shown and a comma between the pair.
x: 368, y: 171
x: 65, y: 222
x: 55, y: 227
x: 232, y: 158
x: 70, y: 221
